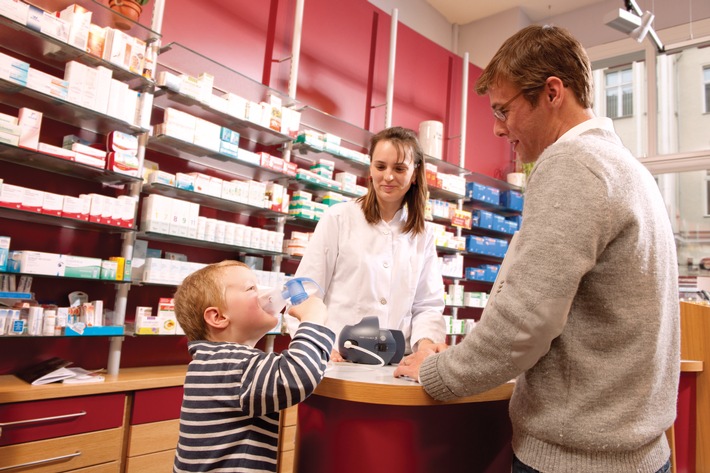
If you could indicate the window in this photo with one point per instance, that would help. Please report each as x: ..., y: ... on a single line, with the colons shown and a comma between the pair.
x: 619, y: 93
x: 706, y: 83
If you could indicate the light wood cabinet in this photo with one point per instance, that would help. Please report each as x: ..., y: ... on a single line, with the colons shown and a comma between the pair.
x: 287, y: 439
x: 65, y: 453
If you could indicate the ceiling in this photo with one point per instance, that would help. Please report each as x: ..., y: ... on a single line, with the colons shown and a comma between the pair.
x: 461, y: 12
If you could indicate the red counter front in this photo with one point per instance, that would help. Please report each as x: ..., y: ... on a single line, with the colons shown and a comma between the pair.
x: 361, y: 419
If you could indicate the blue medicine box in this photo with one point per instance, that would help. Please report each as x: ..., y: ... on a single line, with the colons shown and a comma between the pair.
x: 475, y: 244
x: 482, y: 193
x: 510, y: 226
x: 517, y: 219
x: 484, y: 218
x: 475, y: 274
x: 512, y: 200
x: 499, y: 223
x: 490, y: 272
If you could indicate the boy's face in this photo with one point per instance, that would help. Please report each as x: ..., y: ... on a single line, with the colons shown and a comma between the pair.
x: 247, y: 320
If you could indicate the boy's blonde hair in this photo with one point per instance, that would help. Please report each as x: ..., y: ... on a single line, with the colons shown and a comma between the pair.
x: 202, y: 289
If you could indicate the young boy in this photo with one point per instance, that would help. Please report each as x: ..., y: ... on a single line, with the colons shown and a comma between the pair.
x: 234, y: 392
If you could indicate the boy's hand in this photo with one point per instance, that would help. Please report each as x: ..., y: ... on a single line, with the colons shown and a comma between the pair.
x: 311, y: 310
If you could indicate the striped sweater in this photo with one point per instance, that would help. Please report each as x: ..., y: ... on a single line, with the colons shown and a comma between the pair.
x: 233, y: 394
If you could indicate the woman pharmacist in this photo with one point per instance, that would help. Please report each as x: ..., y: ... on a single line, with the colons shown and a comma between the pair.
x: 375, y: 256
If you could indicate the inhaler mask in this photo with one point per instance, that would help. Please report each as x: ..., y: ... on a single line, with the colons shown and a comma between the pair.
x: 274, y: 299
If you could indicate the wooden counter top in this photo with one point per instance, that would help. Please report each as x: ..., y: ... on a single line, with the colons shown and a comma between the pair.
x: 13, y: 389
x: 377, y: 385
x: 346, y: 381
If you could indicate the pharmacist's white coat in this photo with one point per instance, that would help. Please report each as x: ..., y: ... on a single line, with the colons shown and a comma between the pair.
x: 376, y: 270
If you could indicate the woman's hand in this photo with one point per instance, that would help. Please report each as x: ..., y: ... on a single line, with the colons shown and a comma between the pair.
x: 335, y: 356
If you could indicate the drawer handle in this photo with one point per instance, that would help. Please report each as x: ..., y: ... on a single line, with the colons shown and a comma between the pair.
x: 41, y: 419
x: 40, y: 462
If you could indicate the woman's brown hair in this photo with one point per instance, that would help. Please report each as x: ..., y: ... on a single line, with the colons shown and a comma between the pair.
x: 406, y: 143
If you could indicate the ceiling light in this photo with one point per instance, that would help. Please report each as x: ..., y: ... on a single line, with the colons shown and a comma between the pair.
x: 633, y: 22
x: 640, y: 33
x: 622, y: 20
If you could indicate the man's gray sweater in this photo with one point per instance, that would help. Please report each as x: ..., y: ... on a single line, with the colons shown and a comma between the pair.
x: 584, y: 314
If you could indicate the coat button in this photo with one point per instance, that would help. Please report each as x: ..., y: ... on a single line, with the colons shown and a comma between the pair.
x: 383, y: 301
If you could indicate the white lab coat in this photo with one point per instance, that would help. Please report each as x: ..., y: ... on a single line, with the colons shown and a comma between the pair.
x: 376, y: 270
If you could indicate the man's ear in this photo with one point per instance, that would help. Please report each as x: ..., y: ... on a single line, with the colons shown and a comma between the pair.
x: 214, y: 318
x: 554, y: 89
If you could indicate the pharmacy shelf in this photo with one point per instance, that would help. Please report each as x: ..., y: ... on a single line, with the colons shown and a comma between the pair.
x: 486, y: 232
x: 211, y: 159
x: 441, y: 194
x: 19, y: 96
x: 153, y: 236
x: 301, y: 222
x: 307, y: 155
x: 323, y: 122
x: 51, y: 276
x: 32, y: 44
x: 319, y: 189
x: 470, y: 204
x: 486, y: 258
x: 447, y: 250
x: 44, y: 219
x: 47, y: 162
x: 492, y: 182
x: 178, y: 59
x: 102, y: 15
x: 165, y: 98
x: 446, y: 167
x: 210, y: 201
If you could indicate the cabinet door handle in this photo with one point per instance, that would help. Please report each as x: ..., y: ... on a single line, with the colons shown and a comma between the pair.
x: 41, y: 419
x: 40, y: 462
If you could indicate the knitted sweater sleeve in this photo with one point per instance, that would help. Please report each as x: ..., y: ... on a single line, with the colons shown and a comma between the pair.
x: 566, y: 227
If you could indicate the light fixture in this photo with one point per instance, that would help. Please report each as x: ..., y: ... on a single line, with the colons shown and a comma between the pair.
x: 633, y: 22
x: 640, y: 33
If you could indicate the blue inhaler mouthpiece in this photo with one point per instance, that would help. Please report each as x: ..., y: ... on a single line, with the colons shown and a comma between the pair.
x: 294, y: 290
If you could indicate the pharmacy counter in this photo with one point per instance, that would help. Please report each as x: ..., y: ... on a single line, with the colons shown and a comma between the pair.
x: 362, y: 419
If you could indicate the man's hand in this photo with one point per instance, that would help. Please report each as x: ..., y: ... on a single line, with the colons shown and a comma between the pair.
x: 425, y: 343
x: 409, y: 366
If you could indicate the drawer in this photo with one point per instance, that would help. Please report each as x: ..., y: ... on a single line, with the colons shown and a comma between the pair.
x: 162, y: 461
x: 38, y: 420
x: 153, y: 437
x: 153, y: 405
x: 286, y: 461
x: 112, y: 467
x: 289, y: 416
x: 64, y: 453
x: 287, y: 438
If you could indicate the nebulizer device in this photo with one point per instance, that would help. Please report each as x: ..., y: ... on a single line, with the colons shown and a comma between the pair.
x: 274, y: 299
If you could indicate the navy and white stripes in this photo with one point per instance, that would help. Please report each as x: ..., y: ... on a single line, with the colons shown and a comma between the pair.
x: 233, y: 394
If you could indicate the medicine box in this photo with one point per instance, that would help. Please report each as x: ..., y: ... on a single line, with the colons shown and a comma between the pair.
x: 81, y: 267
x: 34, y: 262
x: 512, y: 200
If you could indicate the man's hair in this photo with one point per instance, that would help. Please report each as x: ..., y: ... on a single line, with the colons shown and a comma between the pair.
x: 535, y: 53
x: 202, y: 289
x: 406, y: 143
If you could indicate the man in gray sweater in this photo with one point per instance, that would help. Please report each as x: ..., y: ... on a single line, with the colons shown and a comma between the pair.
x: 584, y: 313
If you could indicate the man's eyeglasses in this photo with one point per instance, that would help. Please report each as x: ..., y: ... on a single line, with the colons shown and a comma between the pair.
x: 501, y: 113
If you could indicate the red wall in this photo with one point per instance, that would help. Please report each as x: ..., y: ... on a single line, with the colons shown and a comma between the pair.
x: 343, y: 71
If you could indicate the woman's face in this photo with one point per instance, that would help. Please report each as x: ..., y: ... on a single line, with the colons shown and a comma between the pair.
x: 392, y: 175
